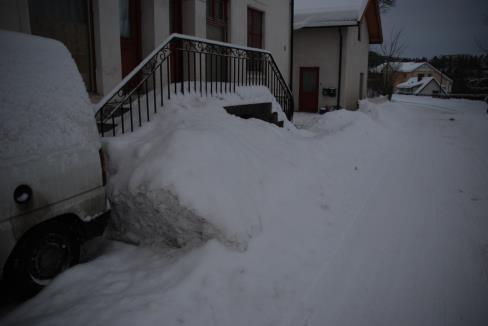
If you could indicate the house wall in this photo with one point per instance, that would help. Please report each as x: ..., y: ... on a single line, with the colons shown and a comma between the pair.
x: 14, y: 15
x: 108, y: 70
x: 277, y: 22
x: 427, y: 71
x: 356, y: 54
x: 431, y: 89
x: 319, y: 47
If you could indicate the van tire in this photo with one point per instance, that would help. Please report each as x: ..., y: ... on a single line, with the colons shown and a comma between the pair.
x: 41, y: 255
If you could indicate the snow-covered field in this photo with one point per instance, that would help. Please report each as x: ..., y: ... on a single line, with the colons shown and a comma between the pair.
x: 376, y: 217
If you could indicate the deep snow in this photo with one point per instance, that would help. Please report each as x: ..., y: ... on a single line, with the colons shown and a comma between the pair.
x: 44, y: 105
x: 376, y: 217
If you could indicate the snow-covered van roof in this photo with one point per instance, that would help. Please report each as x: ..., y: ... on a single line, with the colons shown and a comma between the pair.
x: 326, y: 13
x: 44, y: 105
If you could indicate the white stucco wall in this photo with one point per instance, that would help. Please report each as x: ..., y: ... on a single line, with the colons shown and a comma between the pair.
x: 319, y: 47
x: 277, y: 20
x: 155, y: 28
x: 355, y: 62
x: 108, y: 68
x: 430, y: 89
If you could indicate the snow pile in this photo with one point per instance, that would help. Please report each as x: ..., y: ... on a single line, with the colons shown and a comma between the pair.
x: 318, y: 13
x: 173, y: 182
x: 43, y: 101
x: 376, y: 217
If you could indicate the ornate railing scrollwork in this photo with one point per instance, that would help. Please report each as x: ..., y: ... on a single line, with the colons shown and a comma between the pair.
x: 187, y: 64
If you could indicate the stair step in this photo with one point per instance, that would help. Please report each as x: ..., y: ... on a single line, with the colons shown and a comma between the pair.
x: 121, y: 110
x: 261, y: 111
x: 106, y: 127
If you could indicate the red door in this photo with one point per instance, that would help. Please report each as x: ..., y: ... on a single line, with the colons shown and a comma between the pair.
x: 130, y: 34
x: 309, y: 89
x: 176, y: 26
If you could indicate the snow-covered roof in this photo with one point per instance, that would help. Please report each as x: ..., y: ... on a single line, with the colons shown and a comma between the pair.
x: 321, y: 13
x: 400, y: 66
x: 414, y: 82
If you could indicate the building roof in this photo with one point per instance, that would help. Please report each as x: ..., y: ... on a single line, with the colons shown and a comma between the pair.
x: 400, y: 66
x: 415, y: 82
x: 407, y: 67
x: 321, y: 13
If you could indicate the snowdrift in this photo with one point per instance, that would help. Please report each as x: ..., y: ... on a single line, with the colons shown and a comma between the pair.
x: 354, y: 223
x: 195, y: 173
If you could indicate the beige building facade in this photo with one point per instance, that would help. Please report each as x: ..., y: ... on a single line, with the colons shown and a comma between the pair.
x: 108, y: 38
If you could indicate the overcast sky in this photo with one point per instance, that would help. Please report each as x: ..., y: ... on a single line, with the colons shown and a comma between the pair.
x: 433, y: 27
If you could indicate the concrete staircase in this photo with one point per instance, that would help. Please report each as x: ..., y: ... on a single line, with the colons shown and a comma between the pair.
x: 261, y: 111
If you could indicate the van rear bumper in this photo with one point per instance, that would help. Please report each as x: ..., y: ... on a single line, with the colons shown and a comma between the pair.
x: 95, y: 227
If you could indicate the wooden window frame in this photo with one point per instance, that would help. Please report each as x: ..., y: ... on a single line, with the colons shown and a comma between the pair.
x: 218, y: 22
x: 256, y: 66
x: 254, y: 11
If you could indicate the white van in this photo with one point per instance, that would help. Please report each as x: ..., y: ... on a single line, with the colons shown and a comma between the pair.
x: 51, y: 165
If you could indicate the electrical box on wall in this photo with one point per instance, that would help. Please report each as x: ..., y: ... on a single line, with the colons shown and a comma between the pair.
x: 331, y: 92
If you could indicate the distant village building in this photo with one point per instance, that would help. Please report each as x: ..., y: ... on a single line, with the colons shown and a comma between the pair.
x: 330, y: 52
x: 417, y: 78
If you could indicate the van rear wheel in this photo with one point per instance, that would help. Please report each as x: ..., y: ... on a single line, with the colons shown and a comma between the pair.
x: 44, y: 253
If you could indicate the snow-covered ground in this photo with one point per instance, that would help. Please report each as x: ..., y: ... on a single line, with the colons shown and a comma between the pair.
x: 376, y: 217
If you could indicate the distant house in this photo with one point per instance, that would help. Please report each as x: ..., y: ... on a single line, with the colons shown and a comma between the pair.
x: 420, y: 86
x: 330, y: 51
x: 418, y: 78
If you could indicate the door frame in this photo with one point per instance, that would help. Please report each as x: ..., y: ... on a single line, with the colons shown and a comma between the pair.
x: 136, y: 25
x: 300, y: 96
x: 176, y: 26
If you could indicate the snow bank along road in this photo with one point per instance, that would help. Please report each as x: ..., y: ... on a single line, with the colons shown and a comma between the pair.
x: 377, y: 217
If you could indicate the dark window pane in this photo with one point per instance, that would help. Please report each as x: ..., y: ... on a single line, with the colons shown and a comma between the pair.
x: 309, y: 79
x: 124, y: 18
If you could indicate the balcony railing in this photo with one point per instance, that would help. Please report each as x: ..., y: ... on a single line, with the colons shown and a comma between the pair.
x: 184, y: 64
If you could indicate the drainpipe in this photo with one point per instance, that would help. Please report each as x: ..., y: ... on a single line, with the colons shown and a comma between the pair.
x: 440, y: 86
x: 340, y: 69
x: 292, y: 13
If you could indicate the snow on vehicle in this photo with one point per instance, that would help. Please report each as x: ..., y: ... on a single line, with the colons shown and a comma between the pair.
x: 52, y: 194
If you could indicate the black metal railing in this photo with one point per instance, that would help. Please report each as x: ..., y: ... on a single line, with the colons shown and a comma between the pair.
x: 184, y: 64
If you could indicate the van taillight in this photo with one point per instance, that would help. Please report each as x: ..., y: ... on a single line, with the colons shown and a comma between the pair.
x: 103, y: 159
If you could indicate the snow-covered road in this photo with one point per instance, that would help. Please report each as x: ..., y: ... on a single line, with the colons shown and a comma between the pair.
x: 412, y: 253
x: 377, y: 217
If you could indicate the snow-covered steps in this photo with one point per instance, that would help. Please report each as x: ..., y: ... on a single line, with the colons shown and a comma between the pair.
x: 205, y: 68
x: 261, y: 111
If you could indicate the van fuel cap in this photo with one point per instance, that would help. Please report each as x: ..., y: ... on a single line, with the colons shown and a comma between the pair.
x: 22, y: 194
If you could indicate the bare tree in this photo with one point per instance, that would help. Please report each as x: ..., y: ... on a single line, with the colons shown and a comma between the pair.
x: 385, y: 5
x: 483, y: 46
x: 391, y: 50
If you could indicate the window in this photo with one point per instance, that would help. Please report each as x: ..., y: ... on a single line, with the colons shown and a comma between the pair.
x: 420, y: 76
x: 255, y: 36
x: 124, y: 18
x: 361, y: 86
x: 254, y: 28
x: 217, y: 20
